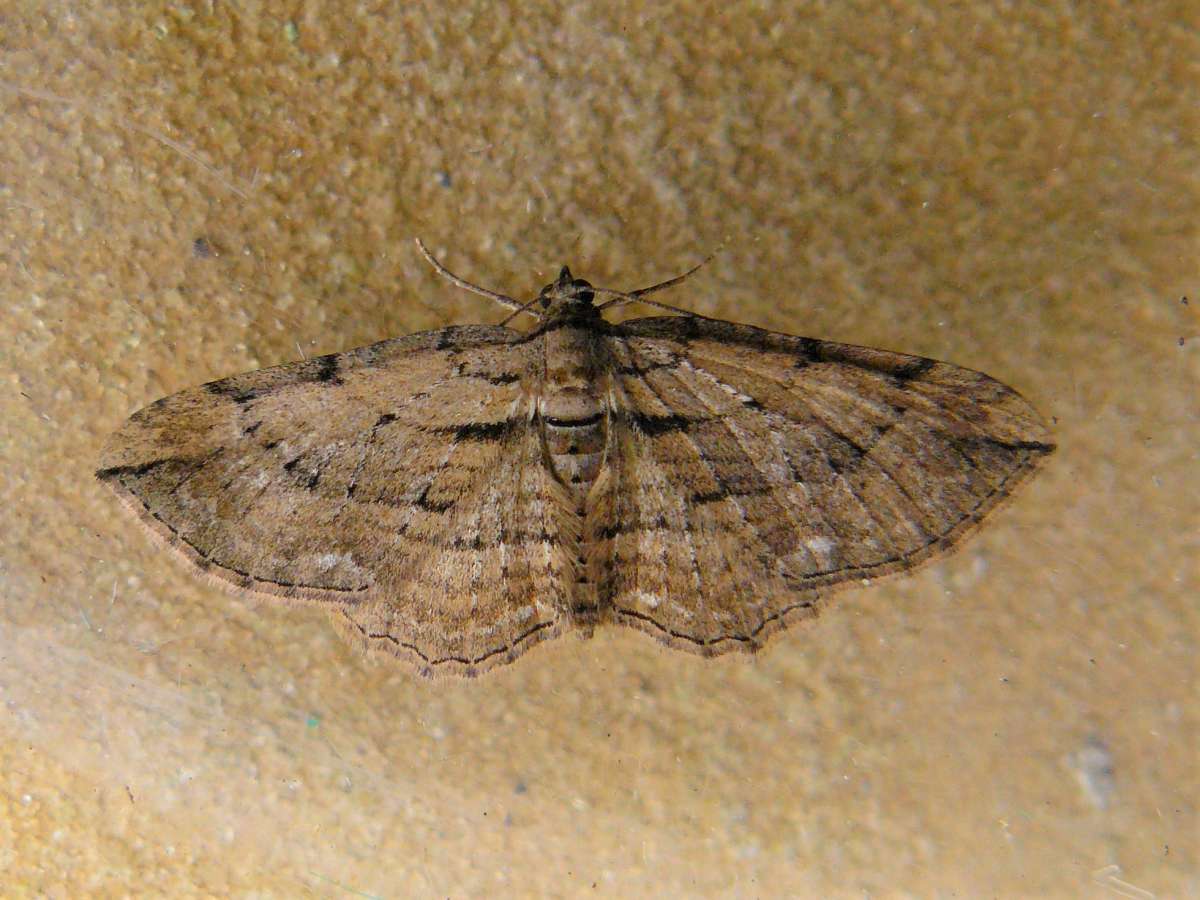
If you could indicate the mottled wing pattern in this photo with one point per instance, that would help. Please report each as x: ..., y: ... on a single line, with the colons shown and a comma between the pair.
x: 400, y: 485
x: 751, y: 470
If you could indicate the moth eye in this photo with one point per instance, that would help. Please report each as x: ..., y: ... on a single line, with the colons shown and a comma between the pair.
x: 545, y: 302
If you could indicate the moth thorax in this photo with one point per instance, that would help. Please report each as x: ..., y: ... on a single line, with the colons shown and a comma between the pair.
x: 572, y: 411
x: 574, y: 423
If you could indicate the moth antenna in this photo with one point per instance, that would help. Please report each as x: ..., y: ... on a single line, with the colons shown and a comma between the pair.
x: 620, y: 298
x: 523, y: 309
x: 503, y: 300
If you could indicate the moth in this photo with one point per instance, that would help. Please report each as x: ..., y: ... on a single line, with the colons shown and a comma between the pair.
x: 454, y: 497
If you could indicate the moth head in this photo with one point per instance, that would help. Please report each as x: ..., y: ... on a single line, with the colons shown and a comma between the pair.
x: 566, y: 293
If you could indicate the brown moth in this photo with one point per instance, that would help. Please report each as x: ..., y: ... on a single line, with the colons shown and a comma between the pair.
x: 456, y: 496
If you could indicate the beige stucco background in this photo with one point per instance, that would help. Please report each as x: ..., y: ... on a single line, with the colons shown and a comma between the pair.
x: 1015, y: 188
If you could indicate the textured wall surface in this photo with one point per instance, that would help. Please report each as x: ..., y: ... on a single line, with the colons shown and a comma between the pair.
x: 193, y: 191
